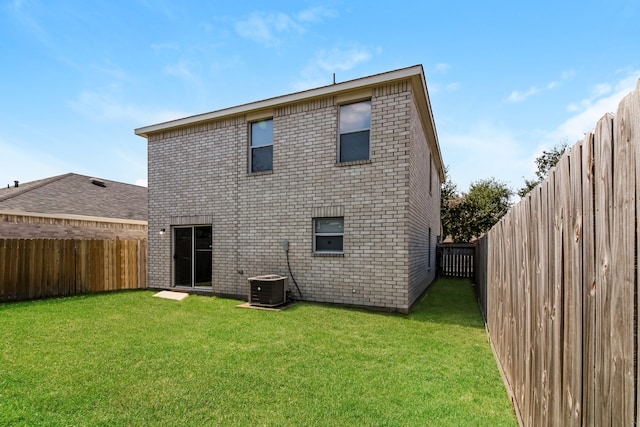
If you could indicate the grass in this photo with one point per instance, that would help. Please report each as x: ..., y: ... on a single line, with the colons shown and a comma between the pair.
x: 127, y: 359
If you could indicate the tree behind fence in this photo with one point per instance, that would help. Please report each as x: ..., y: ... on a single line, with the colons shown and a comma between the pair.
x: 40, y: 268
x: 557, y: 282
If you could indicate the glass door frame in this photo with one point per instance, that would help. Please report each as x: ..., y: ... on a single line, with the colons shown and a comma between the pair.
x: 193, y: 257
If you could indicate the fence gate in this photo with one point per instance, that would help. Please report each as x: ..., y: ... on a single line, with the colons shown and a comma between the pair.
x: 456, y: 259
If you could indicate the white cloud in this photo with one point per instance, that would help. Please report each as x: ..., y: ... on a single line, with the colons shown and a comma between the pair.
x: 131, y: 162
x: 441, y: 68
x: 311, y: 79
x: 21, y: 162
x: 315, y: 14
x: 435, y: 87
x: 604, y: 98
x: 483, y: 150
x: 104, y: 105
x: 265, y: 28
x: 25, y: 16
x: 269, y: 29
x: 165, y: 46
x: 327, y: 61
x: 573, y: 107
x: 341, y: 60
x: 490, y: 149
x: 17, y: 4
x: 443, y: 87
x: 111, y: 70
x: 601, y: 89
x: 180, y: 69
x: 451, y: 87
x: 517, y: 96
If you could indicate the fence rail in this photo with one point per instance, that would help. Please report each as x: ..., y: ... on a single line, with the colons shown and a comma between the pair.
x: 557, y: 282
x: 456, y: 259
x: 40, y: 268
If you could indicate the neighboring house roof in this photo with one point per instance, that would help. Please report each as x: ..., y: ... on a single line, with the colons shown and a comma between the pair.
x: 415, y: 75
x: 74, y: 194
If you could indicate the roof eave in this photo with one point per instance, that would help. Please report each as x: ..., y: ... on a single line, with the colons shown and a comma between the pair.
x: 361, y: 83
x: 414, y: 73
x: 424, y: 105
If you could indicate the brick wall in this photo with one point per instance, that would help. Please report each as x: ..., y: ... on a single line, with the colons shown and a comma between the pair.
x: 424, y: 211
x: 199, y: 174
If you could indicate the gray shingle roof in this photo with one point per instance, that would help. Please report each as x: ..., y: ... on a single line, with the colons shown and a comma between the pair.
x: 77, y: 195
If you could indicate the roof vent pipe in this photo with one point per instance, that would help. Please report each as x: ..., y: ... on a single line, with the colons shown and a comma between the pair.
x: 15, y: 183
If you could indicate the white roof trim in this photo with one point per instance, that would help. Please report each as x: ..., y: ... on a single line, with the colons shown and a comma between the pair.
x: 415, y: 74
x: 376, y: 79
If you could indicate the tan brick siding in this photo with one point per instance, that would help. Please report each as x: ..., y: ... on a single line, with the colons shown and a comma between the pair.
x: 424, y: 211
x: 203, y: 171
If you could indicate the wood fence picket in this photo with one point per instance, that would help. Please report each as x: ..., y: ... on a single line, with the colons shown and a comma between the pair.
x: 40, y: 268
x: 557, y: 282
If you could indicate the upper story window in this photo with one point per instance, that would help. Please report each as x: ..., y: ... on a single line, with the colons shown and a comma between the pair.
x: 261, y: 156
x: 355, y: 124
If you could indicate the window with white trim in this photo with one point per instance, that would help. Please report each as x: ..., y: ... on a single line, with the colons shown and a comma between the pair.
x: 261, y: 151
x: 328, y: 235
x: 354, y: 127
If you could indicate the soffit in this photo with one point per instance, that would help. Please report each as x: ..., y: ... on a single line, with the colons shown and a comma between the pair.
x: 331, y: 90
x: 342, y: 90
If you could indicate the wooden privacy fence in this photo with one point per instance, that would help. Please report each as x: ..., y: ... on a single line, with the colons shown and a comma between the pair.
x: 456, y: 259
x: 39, y: 268
x: 557, y: 283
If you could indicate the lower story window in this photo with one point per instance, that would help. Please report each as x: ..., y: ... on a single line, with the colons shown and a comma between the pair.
x: 328, y: 235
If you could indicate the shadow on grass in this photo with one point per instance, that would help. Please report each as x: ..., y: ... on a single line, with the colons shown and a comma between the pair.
x: 446, y: 301
x: 450, y: 301
x: 63, y: 299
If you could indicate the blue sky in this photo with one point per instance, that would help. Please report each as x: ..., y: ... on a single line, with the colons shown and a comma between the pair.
x: 506, y: 79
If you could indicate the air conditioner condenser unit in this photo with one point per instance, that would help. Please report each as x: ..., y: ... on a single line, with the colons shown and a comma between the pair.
x: 268, y: 291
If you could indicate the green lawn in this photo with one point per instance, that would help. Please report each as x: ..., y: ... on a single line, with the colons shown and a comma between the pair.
x: 128, y: 359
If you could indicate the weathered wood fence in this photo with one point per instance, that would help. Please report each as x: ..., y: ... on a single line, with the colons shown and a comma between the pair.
x: 40, y: 268
x: 558, y: 283
x: 456, y: 259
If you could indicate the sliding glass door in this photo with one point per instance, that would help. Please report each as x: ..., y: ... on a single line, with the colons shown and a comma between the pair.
x: 192, y: 257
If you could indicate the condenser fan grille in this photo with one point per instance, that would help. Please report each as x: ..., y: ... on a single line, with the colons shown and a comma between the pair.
x: 268, y: 291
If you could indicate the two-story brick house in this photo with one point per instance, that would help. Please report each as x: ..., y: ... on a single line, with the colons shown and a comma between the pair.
x: 348, y: 174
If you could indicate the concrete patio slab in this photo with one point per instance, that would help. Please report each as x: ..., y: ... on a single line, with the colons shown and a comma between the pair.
x: 177, y: 296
